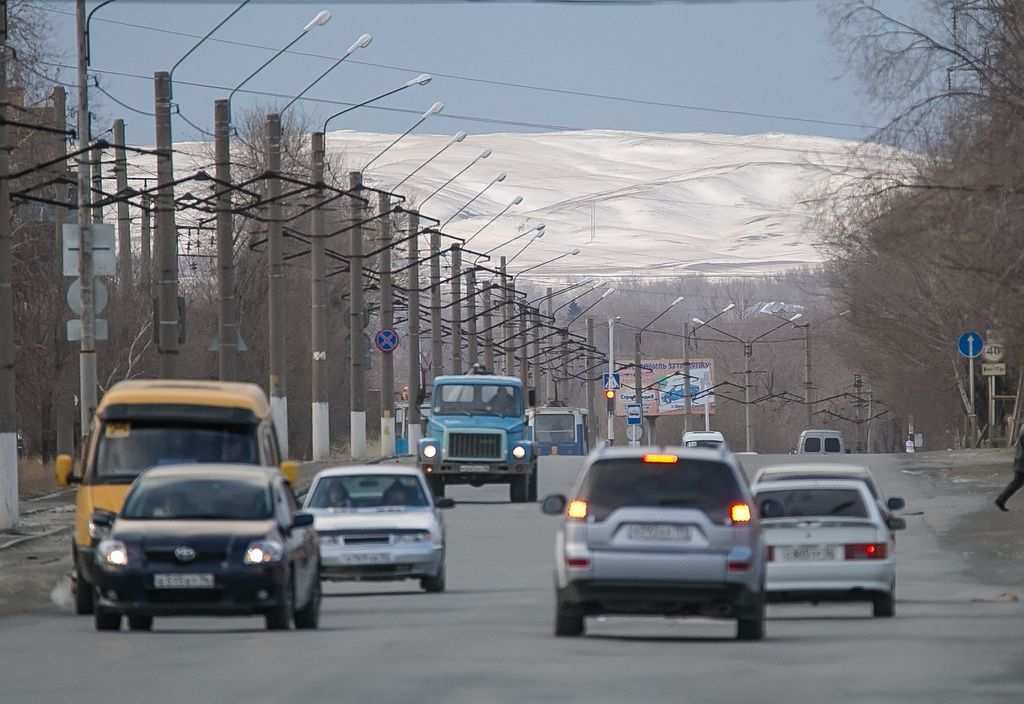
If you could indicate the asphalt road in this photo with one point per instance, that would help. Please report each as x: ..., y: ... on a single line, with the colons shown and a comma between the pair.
x: 488, y: 639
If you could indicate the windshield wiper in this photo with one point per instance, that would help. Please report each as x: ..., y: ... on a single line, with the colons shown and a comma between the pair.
x: 841, y: 507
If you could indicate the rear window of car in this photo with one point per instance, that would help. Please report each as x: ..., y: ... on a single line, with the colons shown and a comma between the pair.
x: 803, y: 477
x: 832, y: 445
x: 812, y: 445
x: 631, y: 483
x: 799, y: 503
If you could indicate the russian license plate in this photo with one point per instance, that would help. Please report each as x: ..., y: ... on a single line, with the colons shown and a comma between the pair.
x: 807, y: 553
x: 659, y: 531
x: 364, y: 558
x: 472, y: 468
x: 183, y: 581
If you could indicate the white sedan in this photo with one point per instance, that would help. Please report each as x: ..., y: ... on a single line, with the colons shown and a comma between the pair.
x: 378, y: 523
x: 827, y: 541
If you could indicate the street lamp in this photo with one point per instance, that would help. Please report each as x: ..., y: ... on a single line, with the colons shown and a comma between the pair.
x: 515, y: 201
x: 458, y: 137
x: 361, y: 43
x: 607, y: 292
x: 497, y: 179
x: 420, y: 80
x: 638, y: 379
x: 539, y: 235
x: 573, y: 253
x: 433, y: 110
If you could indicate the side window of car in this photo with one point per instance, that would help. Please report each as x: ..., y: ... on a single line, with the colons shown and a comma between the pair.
x: 832, y: 445
x: 812, y: 445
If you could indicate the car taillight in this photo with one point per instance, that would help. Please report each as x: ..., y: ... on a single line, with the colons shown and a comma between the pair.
x: 866, y: 551
x: 739, y: 513
x: 577, y: 509
x: 577, y: 563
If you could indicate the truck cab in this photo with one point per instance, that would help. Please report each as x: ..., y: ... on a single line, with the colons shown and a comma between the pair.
x: 477, y: 434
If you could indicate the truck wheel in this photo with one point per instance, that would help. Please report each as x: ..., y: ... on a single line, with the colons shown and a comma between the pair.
x: 531, y: 490
x: 517, y: 489
x: 83, y: 590
x: 437, y: 487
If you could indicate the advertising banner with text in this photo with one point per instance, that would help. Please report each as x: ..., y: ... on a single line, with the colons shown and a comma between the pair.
x: 665, y: 387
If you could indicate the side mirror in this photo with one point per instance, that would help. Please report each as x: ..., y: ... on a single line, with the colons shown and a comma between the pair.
x: 302, y: 520
x: 896, y: 503
x: 444, y: 502
x: 553, y: 505
x: 63, y: 468
x: 102, y: 519
x: 896, y: 523
x: 290, y: 470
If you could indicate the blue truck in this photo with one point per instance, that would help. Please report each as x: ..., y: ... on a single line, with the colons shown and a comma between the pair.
x: 477, y: 434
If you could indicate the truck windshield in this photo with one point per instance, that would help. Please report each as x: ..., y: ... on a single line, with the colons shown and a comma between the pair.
x: 478, y: 400
x: 554, y: 427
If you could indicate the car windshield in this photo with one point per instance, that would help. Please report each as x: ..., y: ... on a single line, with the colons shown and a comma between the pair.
x: 707, y: 486
x: 554, y: 427
x: 368, y: 491
x: 126, y: 448
x: 478, y: 399
x: 192, y: 498
x: 819, y: 503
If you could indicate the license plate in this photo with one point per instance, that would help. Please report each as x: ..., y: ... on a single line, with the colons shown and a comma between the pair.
x: 807, y: 553
x: 364, y: 558
x: 656, y: 531
x: 473, y: 468
x: 183, y: 581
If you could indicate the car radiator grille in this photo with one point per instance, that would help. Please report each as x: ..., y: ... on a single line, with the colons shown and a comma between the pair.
x: 474, y: 446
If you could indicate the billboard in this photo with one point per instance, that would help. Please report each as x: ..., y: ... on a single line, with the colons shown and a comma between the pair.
x: 664, y: 387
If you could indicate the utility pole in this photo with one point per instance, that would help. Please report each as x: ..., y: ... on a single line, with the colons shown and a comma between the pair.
x: 124, y: 223
x: 321, y: 407
x: 686, y: 378
x: 523, y: 343
x: 456, y: 289
x: 146, y: 261
x: 638, y: 381
x: 509, y: 298
x: 611, y: 375
x: 808, y: 379
x: 387, y: 322
x: 564, y: 372
x: 538, y: 367
x: 166, y: 240
x: 488, y: 322
x: 87, y: 279
x: 227, y: 354
x: 63, y: 411
x: 471, y: 293
x: 357, y: 379
x: 748, y: 351
x: 275, y: 256
x: 858, y: 385
x: 436, y: 350
x: 591, y: 363
x: 550, y: 376
x: 97, y: 184
x: 414, y: 330
x: 8, y: 409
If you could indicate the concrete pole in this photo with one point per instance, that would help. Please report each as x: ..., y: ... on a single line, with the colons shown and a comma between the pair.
x: 414, y: 331
x: 87, y: 347
x: 611, y: 372
x: 8, y: 410
x: 638, y: 383
x: 357, y: 377
x: 124, y: 223
x: 275, y: 252
x: 488, y: 322
x: 748, y: 351
x: 64, y: 410
x: 227, y: 355
x: 321, y: 404
x: 436, y: 350
x: 538, y: 366
x: 456, y: 289
x: 387, y: 322
x: 509, y: 312
x: 858, y: 384
x: 808, y: 379
x: 97, y: 183
x: 549, y: 380
x: 564, y: 373
x: 523, y: 343
x: 146, y: 260
x: 591, y: 387
x: 471, y: 293
x: 166, y: 235
x: 686, y: 379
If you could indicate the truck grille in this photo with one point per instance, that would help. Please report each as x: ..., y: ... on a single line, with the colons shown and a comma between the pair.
x: 474, y: 446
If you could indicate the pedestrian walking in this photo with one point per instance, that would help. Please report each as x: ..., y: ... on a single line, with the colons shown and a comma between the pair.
x: 1018, y: 473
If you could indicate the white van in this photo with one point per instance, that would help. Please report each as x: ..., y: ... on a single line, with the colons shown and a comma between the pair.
x: 703, y: 438
x: 821, y: 442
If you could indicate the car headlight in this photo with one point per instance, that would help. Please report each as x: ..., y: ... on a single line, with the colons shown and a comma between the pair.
x: 421, y: 536
x: 261, y: 552
x: 430, y: 451
x: 112, y: 553
x: 519, y: 452
x: 98, y: 532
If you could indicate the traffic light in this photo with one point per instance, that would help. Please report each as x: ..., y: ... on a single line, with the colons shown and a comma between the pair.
x: 609, y: 395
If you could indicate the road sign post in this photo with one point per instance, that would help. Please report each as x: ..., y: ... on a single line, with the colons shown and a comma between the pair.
x: 970, y: 346
x: 634, y: 419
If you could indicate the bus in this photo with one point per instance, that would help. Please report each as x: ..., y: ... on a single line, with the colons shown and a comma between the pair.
x: 559, y: 430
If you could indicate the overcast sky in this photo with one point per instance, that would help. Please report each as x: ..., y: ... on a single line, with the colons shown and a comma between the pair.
x: 774, y: 58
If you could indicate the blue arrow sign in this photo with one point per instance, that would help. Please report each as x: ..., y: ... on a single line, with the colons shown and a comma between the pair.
x: 970, y: 345
x: 612, y: 382
x: 386, y: 340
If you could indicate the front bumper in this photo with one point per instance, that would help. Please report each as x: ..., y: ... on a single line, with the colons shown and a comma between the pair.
x: 240, y: 590
x: 380, y: 563
x: 725, y: 600
x: 850, y: 580
x: 470, y: 472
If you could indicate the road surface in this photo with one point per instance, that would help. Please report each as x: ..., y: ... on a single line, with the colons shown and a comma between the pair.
x: 488, y: 639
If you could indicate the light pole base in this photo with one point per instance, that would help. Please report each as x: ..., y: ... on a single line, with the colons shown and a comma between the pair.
x: 414, y: 438
x: 8, y: 480
x: 321, y: 430
x: 357, y: 434
x: 387, y: 436
x: 279, y: 411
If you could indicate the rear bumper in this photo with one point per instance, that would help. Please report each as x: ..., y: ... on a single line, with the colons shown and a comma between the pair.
x: 240, y: 591
x: 662, y: 598
x: 839, y: 581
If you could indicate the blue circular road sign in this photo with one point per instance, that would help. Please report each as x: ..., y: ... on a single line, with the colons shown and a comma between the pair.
x: 970, y: 345
x: 387, y: 340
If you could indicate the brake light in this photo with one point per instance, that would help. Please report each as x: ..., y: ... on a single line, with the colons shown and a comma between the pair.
x: 577, y: 509
x: 739, y: 513
x: 867, y: 551
x: 577, y: 563
x: 660, y: 459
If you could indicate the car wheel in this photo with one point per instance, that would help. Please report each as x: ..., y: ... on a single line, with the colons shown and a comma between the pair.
x: 569, y: 620
x: 884, y: 605
x: 83, y: 590
x: 140, y: 623
x: 437, y: 487
x: 279, y: 618
x: 517, y: 489
x: 106, y: 620
x: 531, y: 490
x: 435, y: 584
x: 751, y: 627
x: 308, y: 617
